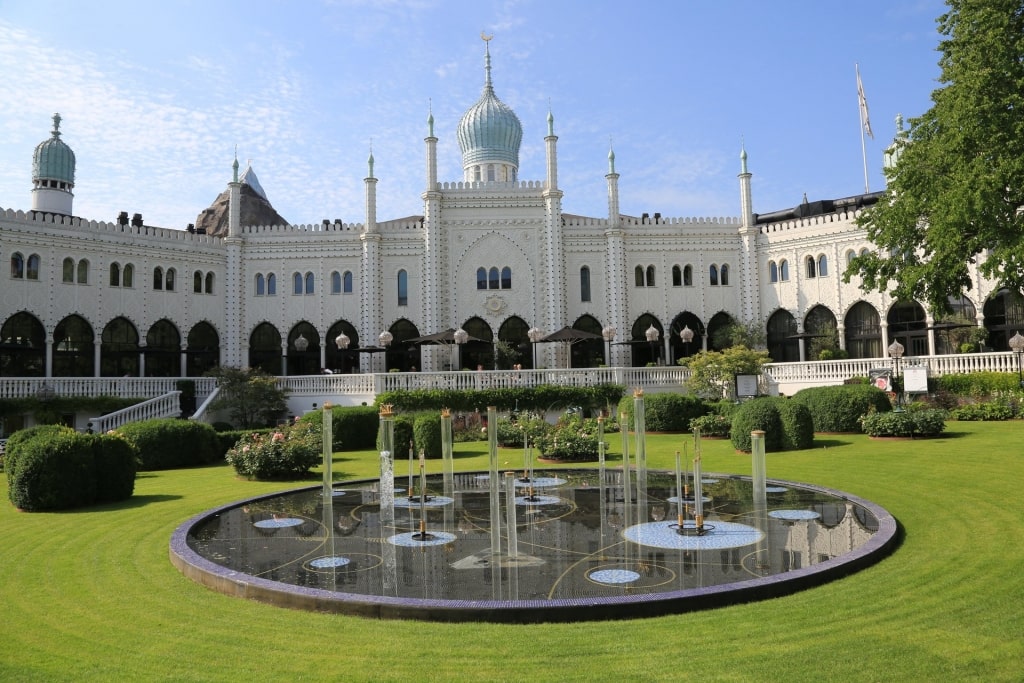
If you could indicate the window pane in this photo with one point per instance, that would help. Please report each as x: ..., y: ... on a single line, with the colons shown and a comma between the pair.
x: 115, y: 275
x: 271, y: 285
x: 773, y: 272
x: 128, y: 275
x: 481, y: 278
x: 713, y: 275
x: 348, y: 282
x: 639, y: 272
x: 650, y: 276
x: 83, y: 272
x: 169, y: 280
x: 725, y: 274
x: 492, y: 278
x: 297, y: 283
x: 309, y: 283
x: 584, y: 284
x: 33, y: 267
x: 209, y: 283
x: 403, y: 288
x: 822, y: 266
x: 688, y: 276
x: 506, y: 278
x: 69, y: 270
x: 197, y: 282
x: 335, y: 282
x: 677, y: 276
x: 260, y: 285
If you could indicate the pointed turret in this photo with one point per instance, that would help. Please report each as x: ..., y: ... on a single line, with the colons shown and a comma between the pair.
x: 53, y: 174
x: 489, y: 135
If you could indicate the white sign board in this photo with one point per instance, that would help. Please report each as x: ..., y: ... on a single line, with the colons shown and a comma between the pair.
x: 746, y: 385
x: 915, y: 379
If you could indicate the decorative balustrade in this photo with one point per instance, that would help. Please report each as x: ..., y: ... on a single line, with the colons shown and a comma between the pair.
x: 352, y: 389
x: 168, y: 405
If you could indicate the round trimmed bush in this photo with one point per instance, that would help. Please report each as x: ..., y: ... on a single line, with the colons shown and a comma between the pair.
x: 289, y: 452
x: 427, y: 434
x: 169, y: 443
x: 666, y: 412
x: 53, y: 471
x: 797, y: 425
x: 758, y: 414
x: 116, y: 461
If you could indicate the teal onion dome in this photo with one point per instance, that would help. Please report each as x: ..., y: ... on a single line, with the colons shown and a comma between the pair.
x: 490, y: 131
x: 53, y: 159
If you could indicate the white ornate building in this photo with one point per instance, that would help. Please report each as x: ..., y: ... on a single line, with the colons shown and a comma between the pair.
x: 493, y: 254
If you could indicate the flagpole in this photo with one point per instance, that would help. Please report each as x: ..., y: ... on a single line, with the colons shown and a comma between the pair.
x: 861, y: 111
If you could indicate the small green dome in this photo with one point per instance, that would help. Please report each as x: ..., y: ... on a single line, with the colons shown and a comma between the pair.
x: 54, y: 160
x: 490, y: 131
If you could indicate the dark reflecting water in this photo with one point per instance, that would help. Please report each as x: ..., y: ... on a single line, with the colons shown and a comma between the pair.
x: 578, y: 537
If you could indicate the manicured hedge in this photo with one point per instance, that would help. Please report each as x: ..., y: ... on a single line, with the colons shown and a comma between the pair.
x: 665, y: 412
x: 540, y: 398
x: 978, y: 384
x: 839, y: 408
x: 905, y: 424
x: 787, y: 425
x: 170, y: 443
x: 58, y: 468
x: 427, y: 434
x: 353, y: 429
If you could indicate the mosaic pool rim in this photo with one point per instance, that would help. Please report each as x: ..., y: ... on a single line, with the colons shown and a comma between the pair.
x: 238, y: 584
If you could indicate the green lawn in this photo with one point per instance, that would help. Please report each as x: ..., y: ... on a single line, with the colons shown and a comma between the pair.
x: 91, y: 595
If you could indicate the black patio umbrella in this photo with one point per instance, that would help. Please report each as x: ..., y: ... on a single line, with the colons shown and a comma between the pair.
x: 570, y: 334
x: 446, y: 337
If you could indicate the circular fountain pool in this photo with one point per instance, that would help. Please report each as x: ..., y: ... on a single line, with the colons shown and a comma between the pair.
x: 573, y: 545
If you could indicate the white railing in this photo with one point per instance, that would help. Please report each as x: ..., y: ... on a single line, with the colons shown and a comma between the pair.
x: 351, y: 389
x: 121, y: 387
x: 202, y: 412
x: 168, y: 405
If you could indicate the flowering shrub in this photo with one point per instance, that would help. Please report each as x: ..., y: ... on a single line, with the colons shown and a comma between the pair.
x: 574, y: 438
x: 510, y: 434
x: 712, y: 425
x: 285, y: 453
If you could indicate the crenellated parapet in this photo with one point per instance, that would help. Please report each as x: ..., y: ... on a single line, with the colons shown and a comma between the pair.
x: 39, y: 218
x: 809, y: 223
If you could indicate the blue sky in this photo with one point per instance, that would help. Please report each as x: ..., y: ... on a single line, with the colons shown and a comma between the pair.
x: 155, y: 96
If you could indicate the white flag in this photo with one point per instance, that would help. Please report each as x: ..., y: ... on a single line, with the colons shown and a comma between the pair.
x: 863, y: 102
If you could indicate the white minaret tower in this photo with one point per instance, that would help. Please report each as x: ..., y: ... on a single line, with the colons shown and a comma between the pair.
x: 370, y: 278
x: 437, y: 308
x: 615, y: 261
x: 232, y: 351
x: 750, y: 297
x: 53, y: 174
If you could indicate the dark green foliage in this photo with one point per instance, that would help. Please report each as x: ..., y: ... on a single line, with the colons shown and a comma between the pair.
x: 797, y: 425
x: 666, y: 412
x: 724, y: 407
x: 405, y: 435
x: 226, y: 439
x: 48, y: 411
x: 13, y: 448
x: 839, y: 408
x: 170, y: 443
x: 427, y: 434
x: 758, y: 414
x: 53, y: 471
x: 116, y: 462
x: 542, y: 398
x: 905, y: 424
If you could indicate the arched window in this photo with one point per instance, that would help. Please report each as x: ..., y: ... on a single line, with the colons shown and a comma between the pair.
x: 677, y: 276
x: 346, y: 283
x: 68, y: 270
x: 725, y: 274
x: 197, y: 282
x: 83, y: 272
x: 209, y: 282
x: 481, y: 278
x: 271, y: 284
x: 17, y: 266
x: 158, y: 278
x: 169, y: 278
x: 650, y: 276
x: 688, y: 276
x: 32, y: 272
x: 863, y: 251
x: 492, y: 278
x: 811, y: 269
x: 309, y: 283
x: 713, y: 275
x: 335, y: 282
x: 296, y: 283
x: 403, y: 288
x: 773, y: 272
x: 490, y: 172
x: 476, y: 174
x: 850, y: 255
x: 115, y: 274
x: 784, y: 270
x: 639, y: 274
x: 585, y: 283
x: 822, y: 265
x: 506, y: 278
x: 260, y: 285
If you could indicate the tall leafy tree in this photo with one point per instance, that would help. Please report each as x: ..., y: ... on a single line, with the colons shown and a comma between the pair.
x: 956, y: 192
